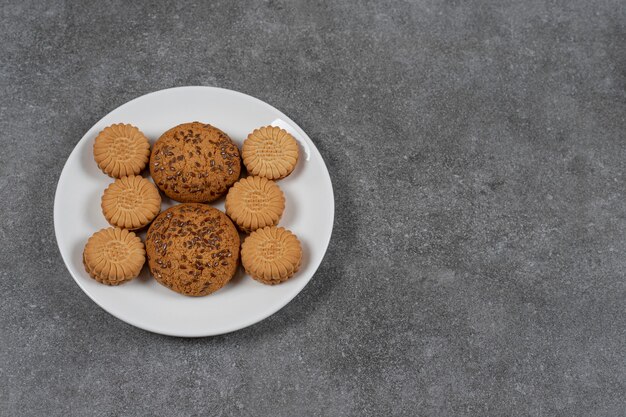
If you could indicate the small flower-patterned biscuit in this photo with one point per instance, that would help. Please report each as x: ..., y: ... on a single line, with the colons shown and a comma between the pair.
x: 271, y: 255
x: 121, y: 150
x: 270, y: 152
x: 131, y: 202
x: 255, y: 202
x: 113, y: 256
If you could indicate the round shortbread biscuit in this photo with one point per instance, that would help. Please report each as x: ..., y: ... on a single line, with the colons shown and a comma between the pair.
x: 270, y: 152
x: 255, y: 202
x: 271, y: 255
x: 113, y: 256
x: 121, y: 150
x: 131, y: 202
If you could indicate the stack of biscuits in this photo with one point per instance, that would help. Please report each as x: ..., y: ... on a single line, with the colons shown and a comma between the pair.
x: 193, y: 248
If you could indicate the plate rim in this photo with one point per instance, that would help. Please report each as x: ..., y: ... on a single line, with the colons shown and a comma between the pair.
x: 249, y: 323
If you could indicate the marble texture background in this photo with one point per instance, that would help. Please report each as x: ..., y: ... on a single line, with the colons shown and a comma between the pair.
x: 477, y: 152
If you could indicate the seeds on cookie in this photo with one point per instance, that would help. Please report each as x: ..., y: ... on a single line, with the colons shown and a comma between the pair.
x: 193, y: 249
x: 195, y: 162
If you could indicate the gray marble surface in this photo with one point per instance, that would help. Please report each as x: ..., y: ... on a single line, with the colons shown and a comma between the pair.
x: 478, y: 154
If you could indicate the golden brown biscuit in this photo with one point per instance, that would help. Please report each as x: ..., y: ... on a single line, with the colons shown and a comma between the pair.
x: 195, y: 162
x: 121, y: 150
x: 255, y: 202
x: 131, y: 202
x: 193, y: 249
x: 271, y: 255
x: 270, y: 152
x: 113, y: 256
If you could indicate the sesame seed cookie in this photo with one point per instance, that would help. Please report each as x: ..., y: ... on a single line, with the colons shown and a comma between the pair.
x: 131, y: 202
x: 193, y: 249
x: 270, y: 152
x: 255, y: 202
x: 271, y: 255
x: 121, y: 150
x: 113, y: 256
x: 195, y: 162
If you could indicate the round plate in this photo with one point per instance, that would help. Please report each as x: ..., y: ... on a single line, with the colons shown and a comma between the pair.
x: 145, y: 303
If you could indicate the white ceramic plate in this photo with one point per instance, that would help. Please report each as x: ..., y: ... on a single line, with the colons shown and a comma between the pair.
x: 145, y: 303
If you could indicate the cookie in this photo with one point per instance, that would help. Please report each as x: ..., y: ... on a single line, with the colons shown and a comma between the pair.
x: 270, y: 152
x: 113, y: 256
x: 131, y: 202
x: 195, y: 162
x: 192, y: 249
x: 271, y: 255
x: 255, y: 202
x: 121, y: 150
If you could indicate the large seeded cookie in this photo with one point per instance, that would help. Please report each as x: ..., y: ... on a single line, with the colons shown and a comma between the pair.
x: 271, y: 255
x: 195, y: 162
x: 113, y: 256
x: 270, y: 152
x: 121, y: 150
x: 192, y: 249
x: 255, y: 202
x: 131, y: 202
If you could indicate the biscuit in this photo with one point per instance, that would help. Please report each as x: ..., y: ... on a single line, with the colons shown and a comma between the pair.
x: 271, y: 255
x: 270, y: 152
x: 121, y: 150
x: 195, y: 162
x: 192, y: 249
x: 113, y: 256
x: 131, y: 202
x: 255, y: 202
